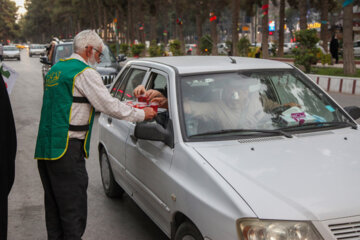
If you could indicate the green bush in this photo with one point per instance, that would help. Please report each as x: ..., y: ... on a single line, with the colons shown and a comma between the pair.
x: 155, y: 50
x: 306, y: 52
x: 205, y: 45
x: 175, y: 47
x: 124, y: 49
x: 243, y: 46
x: 137, y: 49
x: 273, y: 48
x: 325, y: 58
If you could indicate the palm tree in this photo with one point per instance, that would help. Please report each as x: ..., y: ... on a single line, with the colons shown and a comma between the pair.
x: 303, y: 11
x: 324, y: 35
x: 265, y: 30
x: 349, y: 64
x: 281, y: 28
x: 235, y: 18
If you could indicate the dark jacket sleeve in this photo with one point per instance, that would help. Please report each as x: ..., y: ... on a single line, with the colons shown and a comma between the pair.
x: 7, y: 141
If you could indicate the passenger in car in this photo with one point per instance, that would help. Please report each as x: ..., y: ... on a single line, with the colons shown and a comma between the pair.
x: 72, y: 90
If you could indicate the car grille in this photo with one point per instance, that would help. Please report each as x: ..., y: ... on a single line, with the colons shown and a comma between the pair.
x: 345, y: 230
x: 108, y: 79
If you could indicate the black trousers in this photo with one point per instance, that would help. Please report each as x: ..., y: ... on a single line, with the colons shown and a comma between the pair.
x: 65, y: 183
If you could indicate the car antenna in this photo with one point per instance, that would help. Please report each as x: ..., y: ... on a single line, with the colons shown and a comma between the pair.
x: 233, y: 61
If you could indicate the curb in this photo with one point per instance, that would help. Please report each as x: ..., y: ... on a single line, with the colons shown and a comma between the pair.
x: 337, y: 84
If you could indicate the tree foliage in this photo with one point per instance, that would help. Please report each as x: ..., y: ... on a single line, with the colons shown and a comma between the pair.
x: 9, y: 29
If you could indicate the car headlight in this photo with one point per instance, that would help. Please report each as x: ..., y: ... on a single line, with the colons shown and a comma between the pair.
x: 255, y: 229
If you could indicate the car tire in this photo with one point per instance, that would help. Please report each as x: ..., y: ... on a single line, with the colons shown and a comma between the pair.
x: 19, y: 59
x: 111, y: 188
x: 30, y: 55
x: 188, y: 231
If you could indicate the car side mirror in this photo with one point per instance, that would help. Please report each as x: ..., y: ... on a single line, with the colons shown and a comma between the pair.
x: 155, y: 132
x: 121, y: 58
x: 353, y: 111
x: 45, y: 60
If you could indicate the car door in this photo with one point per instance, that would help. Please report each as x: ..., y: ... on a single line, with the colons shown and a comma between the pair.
x: 117, y: 131
x: 148, y: 164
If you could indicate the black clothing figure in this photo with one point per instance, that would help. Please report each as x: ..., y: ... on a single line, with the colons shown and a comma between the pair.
x: 334, y: 47
x: 7, y: 155
x: 258, y: 52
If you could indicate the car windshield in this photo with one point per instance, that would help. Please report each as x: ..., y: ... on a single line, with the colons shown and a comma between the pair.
x: 252, y: 103
x: 10, y: 48
x: 37, y: 47
x: 63, y: 51
x: 107, y: 58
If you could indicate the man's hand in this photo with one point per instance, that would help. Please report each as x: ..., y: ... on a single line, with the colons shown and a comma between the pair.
x: 139, y: 90
x: 149, y: 113
x: 292, y: 104
x: 161, y: 100
x: 151, y: 94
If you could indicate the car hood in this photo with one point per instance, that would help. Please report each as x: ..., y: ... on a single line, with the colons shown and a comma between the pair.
x: 109, y: 70
x: 308, y: 177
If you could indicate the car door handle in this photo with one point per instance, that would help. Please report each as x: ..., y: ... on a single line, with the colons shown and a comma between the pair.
x: 133, y: 138
x: 109, y: 120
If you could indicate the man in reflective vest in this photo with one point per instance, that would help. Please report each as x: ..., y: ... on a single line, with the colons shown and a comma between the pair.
x: 72, y: 90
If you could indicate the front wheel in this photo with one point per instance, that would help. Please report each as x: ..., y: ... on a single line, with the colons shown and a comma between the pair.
x: 111, y: 188
x: 188, y: 231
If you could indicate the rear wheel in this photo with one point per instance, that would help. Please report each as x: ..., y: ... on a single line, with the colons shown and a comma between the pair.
x: 188, y: 231
x: 111, y: 188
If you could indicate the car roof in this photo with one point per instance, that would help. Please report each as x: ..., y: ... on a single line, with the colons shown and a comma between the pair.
x: 204, y: 64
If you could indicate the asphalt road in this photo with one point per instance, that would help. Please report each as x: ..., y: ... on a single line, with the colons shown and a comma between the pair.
x: 108, y: 219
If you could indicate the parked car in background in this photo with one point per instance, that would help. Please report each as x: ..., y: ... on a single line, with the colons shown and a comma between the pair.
x: 190, y: 49
x: 288, y: 47
x: 247, y: 149
x: 108, y: 67
x: 11, y: 52
x: 222, y: 48
x: 357, y: 48
x: 37, y: 49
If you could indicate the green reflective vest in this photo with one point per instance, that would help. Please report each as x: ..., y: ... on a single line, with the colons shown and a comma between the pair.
x: 53, y: 136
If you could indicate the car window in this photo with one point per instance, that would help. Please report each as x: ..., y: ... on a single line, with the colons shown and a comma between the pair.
x: 117, y: 91
x: 135, y: 78
x: 63, y: 51
x: 107, y: 58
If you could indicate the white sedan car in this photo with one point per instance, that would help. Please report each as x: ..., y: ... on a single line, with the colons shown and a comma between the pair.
x: 247, y: 149
x: 11, y: 52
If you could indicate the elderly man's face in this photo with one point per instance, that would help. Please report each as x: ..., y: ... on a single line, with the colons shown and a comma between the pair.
x: 96, y: 54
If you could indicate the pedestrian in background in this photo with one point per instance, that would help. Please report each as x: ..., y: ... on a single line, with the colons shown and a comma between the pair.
x: 72, y: 91
x: 334, y: 48
x: 7, y: 155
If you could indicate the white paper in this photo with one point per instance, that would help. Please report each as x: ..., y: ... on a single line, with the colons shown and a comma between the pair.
x: 9, y: 75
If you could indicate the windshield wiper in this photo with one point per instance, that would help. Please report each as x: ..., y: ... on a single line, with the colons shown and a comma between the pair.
x: 321, y: 124
x: 274, y: 131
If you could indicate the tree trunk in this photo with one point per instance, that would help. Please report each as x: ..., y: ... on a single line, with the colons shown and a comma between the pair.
x: 324, y: 35
x: 130, y: 29
x: 234, y: 27
x: 214, y: 35
x: 198, y: 31
x: 105, y: 25
x: 281, y: 28
x: 349, y: 63
x: 303, y: 12
x: 265, y: 31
